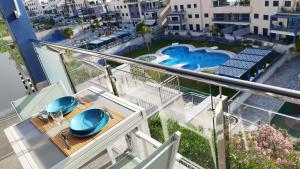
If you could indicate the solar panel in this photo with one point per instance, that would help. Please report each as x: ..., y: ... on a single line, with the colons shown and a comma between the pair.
x: 231, y: 72
x: 249, y: 58
x: 239, y: 64
x: 252, y: 51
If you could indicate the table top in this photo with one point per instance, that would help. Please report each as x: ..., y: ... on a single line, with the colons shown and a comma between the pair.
x: 35, y: 150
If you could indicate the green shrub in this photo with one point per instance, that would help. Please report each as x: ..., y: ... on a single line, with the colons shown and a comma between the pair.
x: 156, y: 128
x: 192, y: 145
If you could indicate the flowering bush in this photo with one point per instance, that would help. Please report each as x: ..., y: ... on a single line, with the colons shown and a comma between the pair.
x: 267, y: 148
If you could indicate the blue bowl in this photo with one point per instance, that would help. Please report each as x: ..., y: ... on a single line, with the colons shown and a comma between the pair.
x: 68, y: 103
x: 101, y: 125
x: 86, y: 120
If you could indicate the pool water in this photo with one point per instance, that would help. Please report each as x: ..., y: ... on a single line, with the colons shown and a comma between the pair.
x: 56, y: 36
x: 181, y: 56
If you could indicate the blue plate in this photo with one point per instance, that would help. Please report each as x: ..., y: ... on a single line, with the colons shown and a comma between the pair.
x: 86, y: 120
x: 101, y: 125
x: 68, y: 103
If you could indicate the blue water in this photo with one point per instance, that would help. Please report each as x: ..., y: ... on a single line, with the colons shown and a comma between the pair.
x: 57, y: 36
x: 182, y: 55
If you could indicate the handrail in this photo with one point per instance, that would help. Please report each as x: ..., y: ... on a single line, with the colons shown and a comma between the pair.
x: 237, y: 84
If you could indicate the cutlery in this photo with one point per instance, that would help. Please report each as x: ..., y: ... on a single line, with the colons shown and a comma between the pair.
x: 64, y: 137
x: 80, y: 101
x: 110, y: 115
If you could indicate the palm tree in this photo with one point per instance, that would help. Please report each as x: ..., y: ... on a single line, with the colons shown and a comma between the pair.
x: 68, y: 32
x: 143, y: 30
x: 80, y: 23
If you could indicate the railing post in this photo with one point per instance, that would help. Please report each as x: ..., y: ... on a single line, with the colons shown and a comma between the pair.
x: 111, y: 80
x: 221, y: 130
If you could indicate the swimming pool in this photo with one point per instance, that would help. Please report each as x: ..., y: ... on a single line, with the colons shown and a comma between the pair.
x: 56, y: 36
x: 183, y: 57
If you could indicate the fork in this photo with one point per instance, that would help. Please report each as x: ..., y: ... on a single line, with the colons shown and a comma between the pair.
x: 64, y: 136
x: 110, y: 115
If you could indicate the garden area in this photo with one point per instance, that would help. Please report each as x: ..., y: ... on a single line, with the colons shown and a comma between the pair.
x: 265, y: 148
x: 193, y: 145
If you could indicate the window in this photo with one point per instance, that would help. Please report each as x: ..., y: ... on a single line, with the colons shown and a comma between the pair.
x: 117, y: 7
x: 191, y: 27
x: 197, y: 27
x: 206, y: 25
x: 196, y: 15
x: 175, y: 7
x: 126, y: 14
x: 206, y: 15
x: 122, y: 14
x: 266, y: 3
x: 124, y: 6
x: 195, y: 5
x: 266, y: 17
x: 189, y: 6
x: 287, y: 4
x: 190, y: 16
x: 255, y: 28
x: 275, y: 3
x: 265, y: 32
x: 182, y: 7
x: 121, y: 7
x: 256, y: 15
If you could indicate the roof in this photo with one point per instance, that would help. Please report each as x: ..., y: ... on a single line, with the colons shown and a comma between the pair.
x: 97, y: 41
x: 231, y: 71
x: 253, y: 51
x: 249, y: 58
x: 239, y: 64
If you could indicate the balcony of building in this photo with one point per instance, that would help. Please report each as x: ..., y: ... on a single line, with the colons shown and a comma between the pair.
x: 224, y: 122
x: 236, y: 19
x: 142, y: 87
x: 285, y: 25
x: 232, y: 3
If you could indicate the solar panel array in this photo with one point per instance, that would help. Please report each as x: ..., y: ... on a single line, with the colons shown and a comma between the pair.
x: 242, y: 63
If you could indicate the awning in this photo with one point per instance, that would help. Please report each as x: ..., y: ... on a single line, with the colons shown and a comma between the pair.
x: 149, y: 22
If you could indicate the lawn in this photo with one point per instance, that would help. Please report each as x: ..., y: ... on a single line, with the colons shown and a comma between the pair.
x: 156, y: 45
x: 186, y: 83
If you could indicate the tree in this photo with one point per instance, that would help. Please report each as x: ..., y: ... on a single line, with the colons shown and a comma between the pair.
x: 80, y: 23
x: 96, y: 23
x: 68, y: 32
x: 143, y: 30
x: 297, y: 44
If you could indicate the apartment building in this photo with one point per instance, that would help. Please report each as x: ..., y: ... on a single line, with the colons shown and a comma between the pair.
x: 153, y: 12
x: 273, y: 19
x: 66, y: 8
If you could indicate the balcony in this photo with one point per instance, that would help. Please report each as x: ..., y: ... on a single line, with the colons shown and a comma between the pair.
x: 168, y: 104
x: 286, y: 24
x: 291, y: 10
x: 220, y: 3
x: 130, y: 1
x: 236, y: 21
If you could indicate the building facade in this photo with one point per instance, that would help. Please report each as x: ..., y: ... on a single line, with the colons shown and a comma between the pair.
x: 273, y: 19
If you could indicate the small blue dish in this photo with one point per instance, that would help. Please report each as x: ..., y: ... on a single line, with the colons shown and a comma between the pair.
x: 68, y: 103
x: 100, y: 126
x: 86, y: 120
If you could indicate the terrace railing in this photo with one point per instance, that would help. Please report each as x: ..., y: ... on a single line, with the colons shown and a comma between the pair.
x: 202, y: 127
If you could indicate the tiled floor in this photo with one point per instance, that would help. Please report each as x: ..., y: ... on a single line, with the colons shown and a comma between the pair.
x: 8, y: 159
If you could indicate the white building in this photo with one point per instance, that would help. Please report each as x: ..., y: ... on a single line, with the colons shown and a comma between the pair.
x: 153, y: 12
x: 274, y: 19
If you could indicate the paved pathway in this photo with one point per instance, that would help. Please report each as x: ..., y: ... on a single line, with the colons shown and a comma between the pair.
x: 286, y: 77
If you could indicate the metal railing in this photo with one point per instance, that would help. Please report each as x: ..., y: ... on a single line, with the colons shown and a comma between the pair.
x: 221, y: 81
